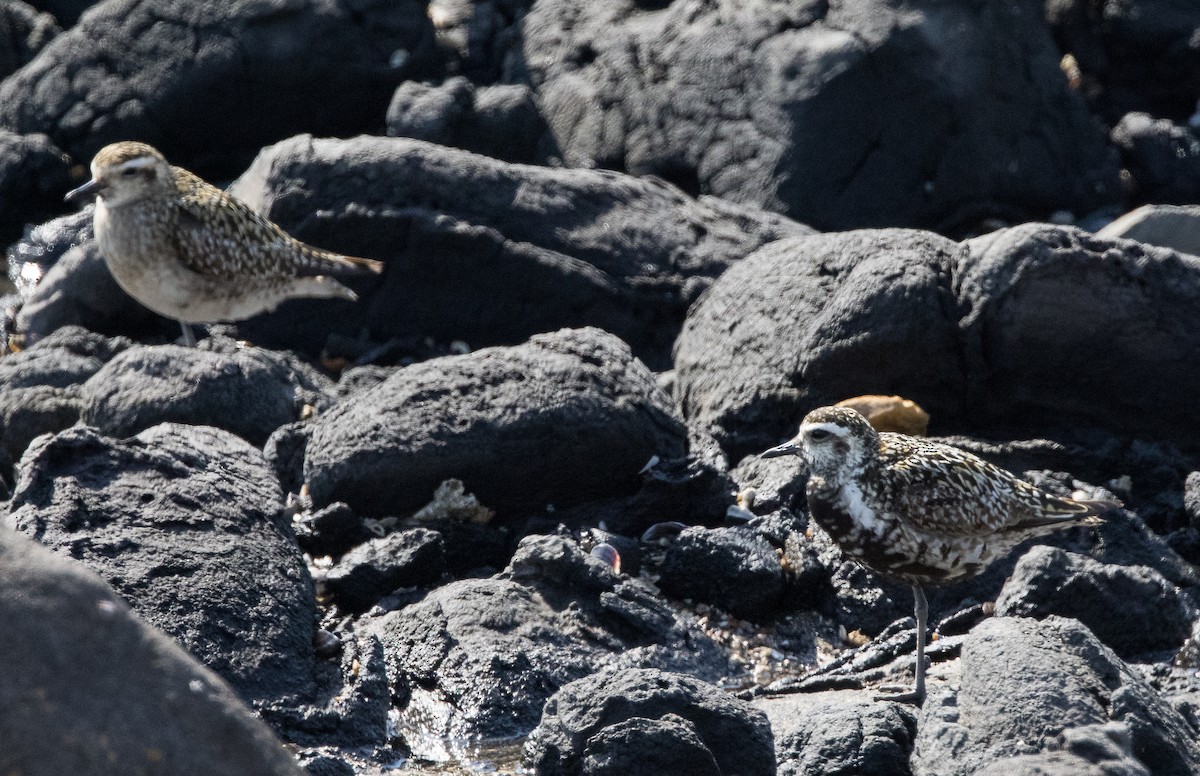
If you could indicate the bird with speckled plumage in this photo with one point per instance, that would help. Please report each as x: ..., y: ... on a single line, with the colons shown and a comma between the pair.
x: 189, y: 251
x: 919, y: 511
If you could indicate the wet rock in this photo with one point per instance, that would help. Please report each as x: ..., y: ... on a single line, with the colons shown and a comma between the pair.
x: 33, y: 175
x: 35, y: 253
x: 1162, y: 158
x: 530, y: 250
x: 1023, y: 682
x: 139, y: 70
x: 1091, y: 750
x: 749, y: 102
x: 501, y: 121
x: 247, y: 391
x: 485, y: 654
x: 185, y: 522
x: 736, y: 569
x: 110, y: 688
x: 789, y: 328
x: 574, y: 407
x: 1167, y: 226
x: 372, y: 570
x: 1132, y: 609
x: 677, y: 718
x: 841, y: 732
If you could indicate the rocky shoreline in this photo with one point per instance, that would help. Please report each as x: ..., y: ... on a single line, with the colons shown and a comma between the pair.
x: 506, y: 511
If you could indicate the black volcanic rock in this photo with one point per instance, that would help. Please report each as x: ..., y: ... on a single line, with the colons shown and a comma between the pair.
x: 567, y: 417
x: 1132, y: 609
x: 1011, y: 330
x: 23, y: 33
x: 1024, y: 682
x: 736, y: 569
x: 109, y: 688
x: 649, y: 721
x: 491, y: 651
x: 1163, y: 159
x: 524, y: 249
x: 844, y: 733
x: 186, y: 523
x: 841, y: 115
x: 248, y: 391
x: 209, y: 84
x: 33, y: 176
x: 375, y: 568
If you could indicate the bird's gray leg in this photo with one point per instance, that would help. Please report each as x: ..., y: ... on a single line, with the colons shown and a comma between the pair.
x: 189, y: 337
x: 921, y: 615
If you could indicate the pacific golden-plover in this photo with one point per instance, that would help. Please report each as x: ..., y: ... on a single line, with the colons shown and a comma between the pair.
x: 918, y: 511
x: 189, y: 251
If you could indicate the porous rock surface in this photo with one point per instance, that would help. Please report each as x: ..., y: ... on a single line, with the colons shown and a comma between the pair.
x: 741, y: 100
x: 1024, y: 682
x: 1031, y: 327
x: 524, y: 249
x: 493, y: 650
x: 99, y: 685
x: 145, y: 69
x: 585, y: 724
x: 186, y: 523
x: 565, y: 418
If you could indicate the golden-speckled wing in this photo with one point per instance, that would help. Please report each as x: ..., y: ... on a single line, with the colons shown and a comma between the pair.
x: 222, y: 237
x: 944, y: 490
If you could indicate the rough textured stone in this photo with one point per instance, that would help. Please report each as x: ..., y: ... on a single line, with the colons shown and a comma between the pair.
x: 1023, y: 682
x: 489, y: 652
x: 736, y: 569
x: 582, y: 722
x: 186, y: 523
x: 501, y: 121
x: 669, y: 745
x: 529, y: 250
x: 840, y: 115
x: 23, y: 32
x: 26, y: 413
x: 791, y: 326
x: 1132, y: 609
x: 96, y: 685
x: 145, y: 69
x: 1163, y: 159
x: 840, y: 733
x: 248, y: 391
x: 372, y: 570
x: 1091, y: 750
x: 574, y: 407
x: 33, y: 176
x: 1013, y: 335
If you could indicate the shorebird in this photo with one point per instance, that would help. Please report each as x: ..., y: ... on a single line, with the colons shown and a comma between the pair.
x: 189, y: 251
x: 918, y: 511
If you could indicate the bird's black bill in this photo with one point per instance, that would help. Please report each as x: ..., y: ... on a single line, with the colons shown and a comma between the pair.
x: 787, y: 448
x: 87, y: 189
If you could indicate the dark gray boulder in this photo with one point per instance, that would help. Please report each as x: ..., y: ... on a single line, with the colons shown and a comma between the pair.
x: 525, y: 249
x: 1168, y: 226
x: 1023, y: 682
x: 186, y: 523
x: 179, y: 75
x: 248, y: 391
x: 96, y: 685
x: 23, y: 33
x: 67, y: 357
x: 368, y: 572
x: 33, y: 176
x: 1163, y: 158
x: 1009, y: 332
x: 26, y: 413
x: 489, y: 652
x: 567, y: 417
x: 502, y: 121
x: 840, y: 733
x: 1132, y: 609
x: 673, y: 719
x: 839, y: 115
x: 790, y: 327
x: 736, y: 569
x: 1091, y: 750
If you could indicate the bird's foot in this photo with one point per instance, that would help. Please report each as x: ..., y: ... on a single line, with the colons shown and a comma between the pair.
x: 900, y: 694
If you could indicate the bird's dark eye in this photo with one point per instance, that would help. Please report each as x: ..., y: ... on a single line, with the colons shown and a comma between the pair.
x: 819, y: 434
x: 129, y: 172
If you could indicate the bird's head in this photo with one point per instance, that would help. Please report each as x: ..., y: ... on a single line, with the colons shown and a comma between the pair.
x: 835, y: 441
x: 126, y: 172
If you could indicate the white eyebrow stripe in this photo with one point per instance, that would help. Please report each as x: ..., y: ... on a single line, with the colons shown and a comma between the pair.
x: 137, y: 163
x: 832, y: 428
